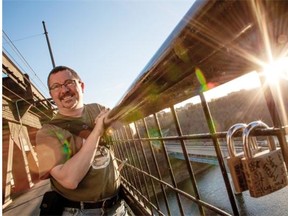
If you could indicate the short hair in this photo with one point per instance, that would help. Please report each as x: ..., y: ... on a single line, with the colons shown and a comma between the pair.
x: 62, y: 68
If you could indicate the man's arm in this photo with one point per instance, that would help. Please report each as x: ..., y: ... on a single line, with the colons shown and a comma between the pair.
x: 70, y: 173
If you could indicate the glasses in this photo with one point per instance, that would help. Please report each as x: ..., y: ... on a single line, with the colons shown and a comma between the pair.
x: 68, y: 84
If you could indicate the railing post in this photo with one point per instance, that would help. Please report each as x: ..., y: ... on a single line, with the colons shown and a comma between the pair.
x: 125, y: 155
x: 212, y: 130
x: 129, y: 149
x: 169, y: 164
x: 185, y: 153
x: 137, y: 156
x: 158, y: 171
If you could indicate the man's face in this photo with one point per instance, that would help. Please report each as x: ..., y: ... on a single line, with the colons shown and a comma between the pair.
x: 66, y: 91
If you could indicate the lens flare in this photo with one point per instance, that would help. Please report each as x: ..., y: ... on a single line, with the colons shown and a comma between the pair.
x: 202, y: 80
x: 276, y: 75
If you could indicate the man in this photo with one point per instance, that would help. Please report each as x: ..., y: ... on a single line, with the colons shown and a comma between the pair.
x: 80, y: 169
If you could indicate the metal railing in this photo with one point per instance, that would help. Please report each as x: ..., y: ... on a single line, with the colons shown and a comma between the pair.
x: 207, y: 47
x: 143, y: 178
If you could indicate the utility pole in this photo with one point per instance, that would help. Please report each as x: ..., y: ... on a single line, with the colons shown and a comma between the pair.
x: 49, y: 47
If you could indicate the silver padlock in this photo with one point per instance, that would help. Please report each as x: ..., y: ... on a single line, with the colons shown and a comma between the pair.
x: 265, y: 171
x: 234, y: 159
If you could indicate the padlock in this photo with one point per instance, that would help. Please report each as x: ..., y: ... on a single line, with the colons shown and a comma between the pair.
x: 234, y: 160
x: 265, y: 171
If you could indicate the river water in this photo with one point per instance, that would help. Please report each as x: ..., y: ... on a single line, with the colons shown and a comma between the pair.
x: 212, y: 190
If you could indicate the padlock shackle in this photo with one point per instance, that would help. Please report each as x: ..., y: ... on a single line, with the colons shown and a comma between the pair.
x: 248, y: 145
x: 229, y: 137
x: 271, y: 143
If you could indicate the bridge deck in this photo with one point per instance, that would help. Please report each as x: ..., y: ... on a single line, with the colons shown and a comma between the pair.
x: 27, y: 203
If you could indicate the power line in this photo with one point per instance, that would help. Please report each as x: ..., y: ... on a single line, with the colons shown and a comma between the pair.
x: 11, y: 44
x: 21, y: 68
x: 28, y: 37
x: 17, y: 52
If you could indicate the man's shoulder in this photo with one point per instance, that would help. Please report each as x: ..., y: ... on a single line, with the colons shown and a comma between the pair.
x: 52, y: 125
x: 93, y: 109
x: 47, y: 130
x: 96, y: 106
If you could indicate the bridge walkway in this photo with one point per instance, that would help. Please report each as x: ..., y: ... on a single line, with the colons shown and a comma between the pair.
x: 28, y: 202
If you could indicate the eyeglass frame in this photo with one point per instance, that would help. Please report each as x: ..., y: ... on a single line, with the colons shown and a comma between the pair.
x: 58, y: 87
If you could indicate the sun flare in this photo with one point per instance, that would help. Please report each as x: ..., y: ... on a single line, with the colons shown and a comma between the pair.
x: 276, y: 70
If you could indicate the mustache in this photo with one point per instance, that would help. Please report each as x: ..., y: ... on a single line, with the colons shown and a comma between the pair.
x: 66, y: 94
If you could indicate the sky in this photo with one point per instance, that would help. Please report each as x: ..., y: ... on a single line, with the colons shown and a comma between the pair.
x: 108, y: 42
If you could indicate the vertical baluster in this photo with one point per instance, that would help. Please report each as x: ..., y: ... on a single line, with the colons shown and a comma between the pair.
x: 186, y: 156
x: 169, y: 165
x: 138, y: 158
x: 158, y: 172
x: 212, y: 129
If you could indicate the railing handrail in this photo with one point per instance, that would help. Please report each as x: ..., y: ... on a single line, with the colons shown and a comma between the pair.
x: 200, y: 43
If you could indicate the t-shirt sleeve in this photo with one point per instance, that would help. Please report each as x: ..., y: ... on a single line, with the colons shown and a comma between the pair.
x: 50, y: 148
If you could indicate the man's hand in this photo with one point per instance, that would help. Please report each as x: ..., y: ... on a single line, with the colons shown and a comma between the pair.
x: 102, y: 122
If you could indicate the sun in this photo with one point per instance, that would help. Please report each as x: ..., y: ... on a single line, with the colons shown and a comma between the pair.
x: 276, y: 71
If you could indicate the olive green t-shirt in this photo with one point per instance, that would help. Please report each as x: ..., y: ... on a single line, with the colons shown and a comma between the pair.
x: 56, y: 145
